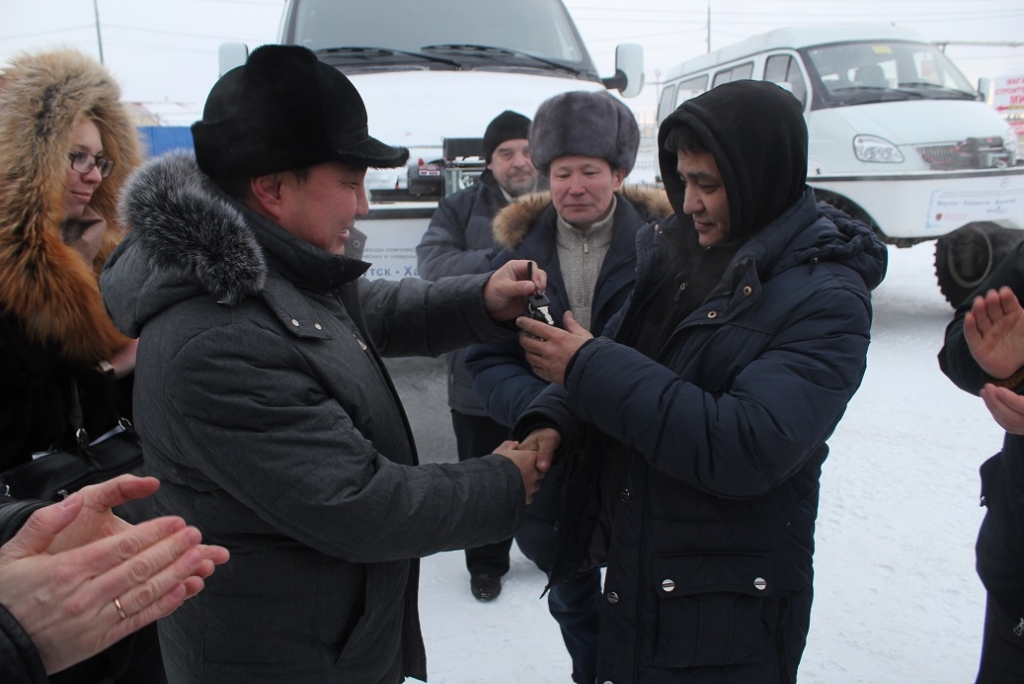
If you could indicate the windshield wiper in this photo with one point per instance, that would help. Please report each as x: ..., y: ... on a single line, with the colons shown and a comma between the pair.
x: 855, y: 94
x: 935, y: 86
x: 371, y: 56
x: 871, y: 89
x: 490, y: 52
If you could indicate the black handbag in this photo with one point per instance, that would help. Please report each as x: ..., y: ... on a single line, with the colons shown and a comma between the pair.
x: 56, y: 474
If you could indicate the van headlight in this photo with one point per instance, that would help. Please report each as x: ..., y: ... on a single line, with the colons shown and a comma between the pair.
x: 870, y: 148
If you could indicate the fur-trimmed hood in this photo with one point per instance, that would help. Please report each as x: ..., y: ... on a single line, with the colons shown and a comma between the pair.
x: 514, y: 222
x: 43, y: 282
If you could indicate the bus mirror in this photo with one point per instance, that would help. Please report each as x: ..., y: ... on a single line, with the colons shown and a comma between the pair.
x: 231, y: 55
x: 629, y: 70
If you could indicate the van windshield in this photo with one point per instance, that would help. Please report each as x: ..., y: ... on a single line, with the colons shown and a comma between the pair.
x: 881, y: 71
x: 370, y: 35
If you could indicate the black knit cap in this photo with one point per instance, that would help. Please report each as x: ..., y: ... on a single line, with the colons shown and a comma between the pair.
x: 285, y: 109
x: 508, y: 125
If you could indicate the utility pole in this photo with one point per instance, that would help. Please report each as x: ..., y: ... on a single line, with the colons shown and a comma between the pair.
x: 709, y: 25
x: 99, y: 38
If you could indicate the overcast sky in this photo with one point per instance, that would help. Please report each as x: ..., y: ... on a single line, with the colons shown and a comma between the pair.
x: 164, y: 52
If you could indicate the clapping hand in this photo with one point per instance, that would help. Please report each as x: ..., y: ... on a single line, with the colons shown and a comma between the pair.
x: 79, y: 579
x: 994, y: 331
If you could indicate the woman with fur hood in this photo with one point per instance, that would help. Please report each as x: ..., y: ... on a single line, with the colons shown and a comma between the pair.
x: 67, y: 144
x: 583, y: 234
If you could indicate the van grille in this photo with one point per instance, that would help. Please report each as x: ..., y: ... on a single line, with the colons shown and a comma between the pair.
x: 937, y: 155
x: 973, y: 153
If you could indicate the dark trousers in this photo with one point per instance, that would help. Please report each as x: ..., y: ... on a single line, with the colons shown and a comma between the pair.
x: 1002, y: 648
x: 477, y: 436
x: 576, y: 607
x: 576, y: 603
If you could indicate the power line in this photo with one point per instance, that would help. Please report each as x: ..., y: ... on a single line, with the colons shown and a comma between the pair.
x: 265, y: 3
x: 20, y: 36
x: 827, y: 15
x: 178, y: 34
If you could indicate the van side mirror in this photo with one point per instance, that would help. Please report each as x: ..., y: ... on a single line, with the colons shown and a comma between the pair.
x: 231, y: 55
x: 629, y: 70
x: 985, y: 89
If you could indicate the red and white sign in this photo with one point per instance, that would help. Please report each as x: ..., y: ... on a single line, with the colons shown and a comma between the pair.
x: 1008, y: 100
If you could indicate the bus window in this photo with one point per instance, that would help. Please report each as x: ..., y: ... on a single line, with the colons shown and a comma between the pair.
x: 736, y: 73
x: 667, y: 102
x: 691, y: 88
x: 785, y: 71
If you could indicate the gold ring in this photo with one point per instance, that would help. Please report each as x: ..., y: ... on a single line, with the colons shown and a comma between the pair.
x: 120, y: 610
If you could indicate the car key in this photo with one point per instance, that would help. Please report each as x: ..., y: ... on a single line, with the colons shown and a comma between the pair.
x: 538, y: 305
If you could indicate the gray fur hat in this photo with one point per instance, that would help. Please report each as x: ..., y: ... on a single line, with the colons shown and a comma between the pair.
x: 587, y: 124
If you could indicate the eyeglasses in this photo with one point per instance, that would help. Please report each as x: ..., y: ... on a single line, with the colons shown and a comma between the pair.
x: 83, y: 162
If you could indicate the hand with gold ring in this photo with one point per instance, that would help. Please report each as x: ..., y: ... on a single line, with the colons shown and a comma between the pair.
x: 120, y: 610
x: 76, y: 602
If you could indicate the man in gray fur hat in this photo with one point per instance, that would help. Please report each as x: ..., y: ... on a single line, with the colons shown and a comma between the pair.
x: 582, y: 234
x: 458, y: 242
x: 262, y: 399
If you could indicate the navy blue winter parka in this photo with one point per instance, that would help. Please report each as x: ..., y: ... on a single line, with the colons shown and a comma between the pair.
x: 502, y: 380
x: 719, y: 438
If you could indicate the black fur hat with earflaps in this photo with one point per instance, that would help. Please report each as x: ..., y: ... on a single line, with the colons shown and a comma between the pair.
x: 285, y: 109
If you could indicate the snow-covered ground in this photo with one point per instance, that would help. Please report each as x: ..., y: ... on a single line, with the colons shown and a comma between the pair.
x: 897, y: 599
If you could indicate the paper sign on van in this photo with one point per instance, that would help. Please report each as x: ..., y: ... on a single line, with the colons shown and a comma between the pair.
x: 949, y: 208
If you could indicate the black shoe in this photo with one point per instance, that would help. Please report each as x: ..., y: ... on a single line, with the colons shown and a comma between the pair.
x: 485, y: 587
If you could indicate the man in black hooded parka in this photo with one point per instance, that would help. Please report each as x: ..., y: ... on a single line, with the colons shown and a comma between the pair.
x: 710, y: 401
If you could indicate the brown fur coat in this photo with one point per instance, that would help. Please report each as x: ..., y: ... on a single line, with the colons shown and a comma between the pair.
x: 514, y: 222
x: 44, y: 283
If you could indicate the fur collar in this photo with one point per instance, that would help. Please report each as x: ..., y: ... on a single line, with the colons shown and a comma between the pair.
x: 188, y: 228
x: 45, y: 284
x: 515, y: 221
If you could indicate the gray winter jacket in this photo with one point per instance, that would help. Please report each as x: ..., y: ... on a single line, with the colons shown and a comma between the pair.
x: 275, y: 428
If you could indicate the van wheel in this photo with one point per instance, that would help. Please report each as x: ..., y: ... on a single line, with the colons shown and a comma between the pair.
x: 965, y: 257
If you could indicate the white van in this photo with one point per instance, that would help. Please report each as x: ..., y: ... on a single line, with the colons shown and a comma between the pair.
x: 898, y: 138
x: 432, y: 76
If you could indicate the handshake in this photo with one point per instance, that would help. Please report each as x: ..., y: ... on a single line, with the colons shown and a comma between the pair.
x: 532, y: 456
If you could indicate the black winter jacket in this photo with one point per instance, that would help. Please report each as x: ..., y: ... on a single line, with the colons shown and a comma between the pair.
x: 1000, y: 546
x: 457, y: 242
x: 19, y: 660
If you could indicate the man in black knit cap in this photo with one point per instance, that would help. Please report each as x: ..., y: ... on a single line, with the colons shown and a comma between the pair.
x: 459, y: 242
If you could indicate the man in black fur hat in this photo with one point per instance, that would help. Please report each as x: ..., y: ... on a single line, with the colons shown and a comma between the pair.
x: 704, y: 411
x: 261, y: 397
x: 458, y: 241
